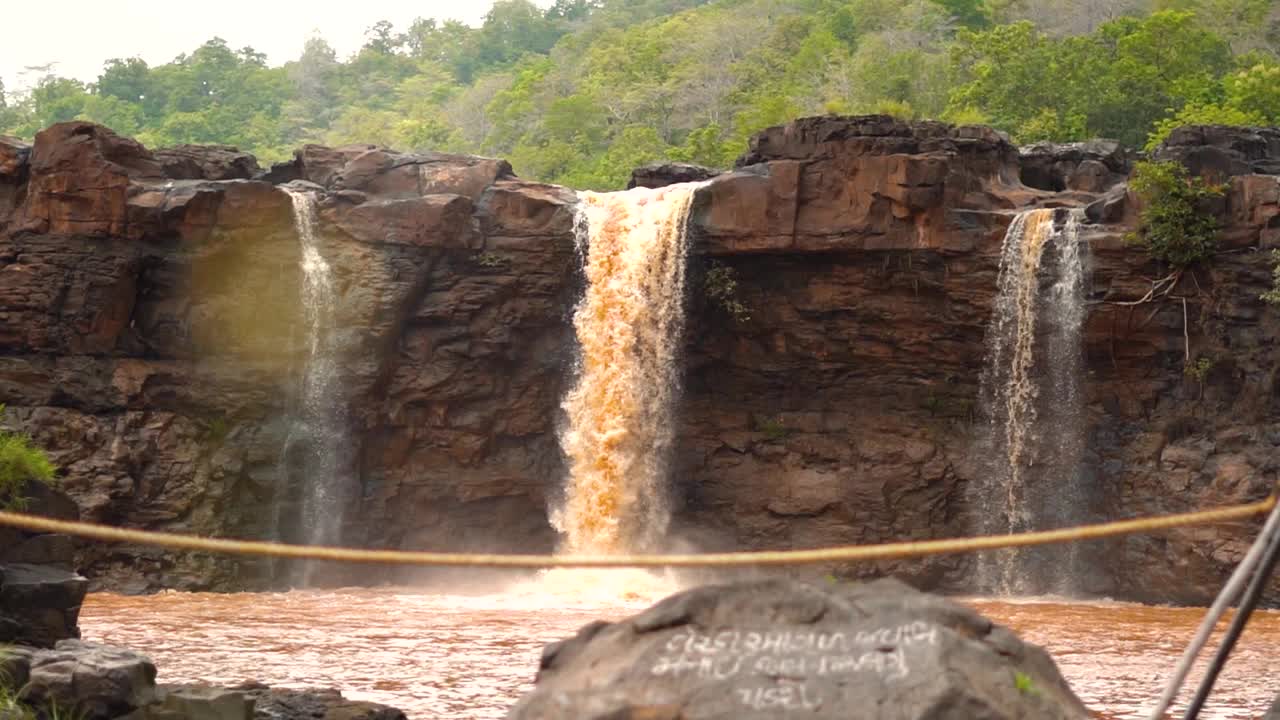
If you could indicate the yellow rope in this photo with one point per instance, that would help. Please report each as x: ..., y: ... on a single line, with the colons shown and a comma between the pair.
x: 778, y: 557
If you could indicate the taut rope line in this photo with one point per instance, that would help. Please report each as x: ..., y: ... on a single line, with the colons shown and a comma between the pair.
x: 731, y: 559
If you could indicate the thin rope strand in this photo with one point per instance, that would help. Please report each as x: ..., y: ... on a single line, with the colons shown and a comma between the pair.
x: 732, y: 559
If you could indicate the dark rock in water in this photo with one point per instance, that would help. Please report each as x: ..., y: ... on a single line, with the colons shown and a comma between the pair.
x: 39, y: 604
x: 664, y: 174
x: 94, y: 682
x: 766, y: 649
x: 1274, y: 712
x: 328, y: 704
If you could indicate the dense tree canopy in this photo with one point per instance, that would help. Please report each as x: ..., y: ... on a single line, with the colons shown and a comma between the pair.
x: 580, y: 92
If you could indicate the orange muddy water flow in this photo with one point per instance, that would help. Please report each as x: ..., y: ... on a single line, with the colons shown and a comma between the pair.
x: 456, y: 656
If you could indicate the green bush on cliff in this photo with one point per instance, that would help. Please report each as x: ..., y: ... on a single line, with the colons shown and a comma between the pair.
x: 1175, y: 228
x: 721, y: 287
x: 20, y: 461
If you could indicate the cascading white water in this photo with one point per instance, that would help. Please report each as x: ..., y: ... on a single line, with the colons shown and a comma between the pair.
x: 319, y: 425
x: 1030, y: 393
x: 629, y: 326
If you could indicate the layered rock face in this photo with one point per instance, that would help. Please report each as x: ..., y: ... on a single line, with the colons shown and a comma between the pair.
x: 151, y: 337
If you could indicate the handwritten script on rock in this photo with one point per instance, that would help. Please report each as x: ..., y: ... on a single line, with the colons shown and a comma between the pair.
x: 791, y: 655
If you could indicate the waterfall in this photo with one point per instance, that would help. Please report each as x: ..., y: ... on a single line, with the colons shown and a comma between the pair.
x: 629, y: 325
x: 319, y: 427
x: 1033, y: 441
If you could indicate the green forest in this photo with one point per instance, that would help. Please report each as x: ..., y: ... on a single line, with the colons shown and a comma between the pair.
x: 581, y: 92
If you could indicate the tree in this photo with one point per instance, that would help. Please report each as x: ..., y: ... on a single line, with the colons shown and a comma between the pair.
x: 575, y: 92
x: 511, y: 29
x: 57, y: 100
x: 446, y: 43
x: 573, y: 10
x: 381, y: 38
x: 122, y: 116
x: 127, y: 79
x: 7, y: 114
x: 314, y: 102
x: 1255, y: 90
x: 969, y: 13
x: 1116, y: 82
x: 1242, y: 23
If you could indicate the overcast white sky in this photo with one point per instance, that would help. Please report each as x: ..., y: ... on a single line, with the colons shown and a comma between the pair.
x: 80, y: 34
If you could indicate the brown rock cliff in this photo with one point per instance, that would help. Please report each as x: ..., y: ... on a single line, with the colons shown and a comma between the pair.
x: 151, y: 335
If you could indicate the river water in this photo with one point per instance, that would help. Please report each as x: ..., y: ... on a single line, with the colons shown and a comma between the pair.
x: 461, y: 656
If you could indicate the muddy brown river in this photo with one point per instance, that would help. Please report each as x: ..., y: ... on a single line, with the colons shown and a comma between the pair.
x: 465, y: 656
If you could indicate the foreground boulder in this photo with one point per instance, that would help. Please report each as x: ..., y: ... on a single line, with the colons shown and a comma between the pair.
x: 773, y: 648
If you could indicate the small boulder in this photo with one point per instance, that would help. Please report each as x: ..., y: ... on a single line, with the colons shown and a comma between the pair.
x: 772, y: 648
x: 199, y: 702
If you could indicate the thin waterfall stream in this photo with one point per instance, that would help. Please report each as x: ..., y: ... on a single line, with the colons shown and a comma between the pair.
x: 1033, y: 441
x: 319, y: 427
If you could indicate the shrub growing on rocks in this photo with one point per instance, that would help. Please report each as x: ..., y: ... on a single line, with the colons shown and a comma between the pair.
x: 20, y: 461
x: 1175, y: 226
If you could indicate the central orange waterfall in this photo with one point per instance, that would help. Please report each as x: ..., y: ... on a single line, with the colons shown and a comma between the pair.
x: 629, y: 325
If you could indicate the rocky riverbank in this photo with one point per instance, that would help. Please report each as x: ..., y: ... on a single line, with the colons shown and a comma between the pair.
x: 101, y: 682
x: 47, y: 672
x: 149, y: 315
